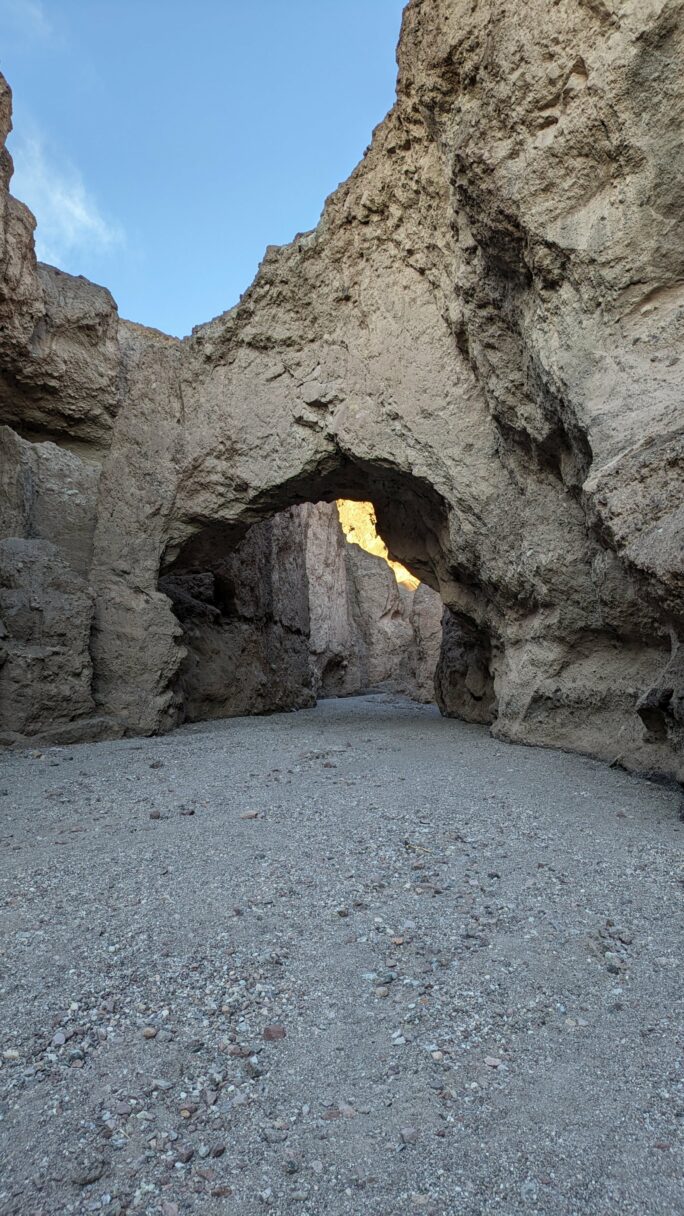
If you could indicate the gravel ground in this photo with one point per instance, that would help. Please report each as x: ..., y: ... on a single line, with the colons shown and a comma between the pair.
x: 357, y: 959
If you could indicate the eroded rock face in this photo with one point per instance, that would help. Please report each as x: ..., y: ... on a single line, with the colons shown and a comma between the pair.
x: 245, y: 621
x: 483, y: 336
x: 367, y: 630
x: 45, y: 670
x: 48, y: 502
x: 464, y: 683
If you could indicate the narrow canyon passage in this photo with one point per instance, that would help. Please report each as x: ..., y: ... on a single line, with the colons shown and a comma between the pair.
x: 357, y: 958
x: 302, y: 605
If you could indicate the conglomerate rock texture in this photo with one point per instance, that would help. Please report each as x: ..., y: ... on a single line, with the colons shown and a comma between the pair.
x: 483, y: 336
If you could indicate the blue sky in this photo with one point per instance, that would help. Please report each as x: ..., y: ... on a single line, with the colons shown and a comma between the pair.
x: 163, y: 144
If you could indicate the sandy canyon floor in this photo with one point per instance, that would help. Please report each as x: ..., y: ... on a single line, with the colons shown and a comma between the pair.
x: 356, y: 959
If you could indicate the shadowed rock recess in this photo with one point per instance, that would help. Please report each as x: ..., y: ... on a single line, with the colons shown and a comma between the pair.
x: 482, y: 337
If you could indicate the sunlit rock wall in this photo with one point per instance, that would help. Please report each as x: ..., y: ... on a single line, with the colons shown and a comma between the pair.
x: 368, y: 630
x: 360, y: 525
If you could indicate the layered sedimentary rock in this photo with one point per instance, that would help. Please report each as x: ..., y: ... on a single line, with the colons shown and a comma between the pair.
x: 483, y: 336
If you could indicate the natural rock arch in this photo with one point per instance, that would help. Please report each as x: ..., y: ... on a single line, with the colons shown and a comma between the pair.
x: 490, y: 307
x: 412, y: 516
x: 247, y: 593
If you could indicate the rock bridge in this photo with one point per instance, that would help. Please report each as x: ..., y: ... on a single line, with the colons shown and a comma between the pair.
x: 482, y: 337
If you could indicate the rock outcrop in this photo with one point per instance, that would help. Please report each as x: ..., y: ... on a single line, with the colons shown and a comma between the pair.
x: 483, y: 336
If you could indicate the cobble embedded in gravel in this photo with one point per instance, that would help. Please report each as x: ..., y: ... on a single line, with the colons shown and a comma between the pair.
x: 357, y: 959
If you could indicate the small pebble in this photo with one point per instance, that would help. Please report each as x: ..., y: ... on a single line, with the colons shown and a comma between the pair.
x: 273, y: 1033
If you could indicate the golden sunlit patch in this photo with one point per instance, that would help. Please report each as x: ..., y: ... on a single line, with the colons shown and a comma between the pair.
x: 359, y: 526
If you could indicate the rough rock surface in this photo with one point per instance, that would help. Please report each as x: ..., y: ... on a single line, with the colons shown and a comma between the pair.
x: 339, y: 648
x: 47, y: 519
x: 45, y: 620
x: 367, y: 630
x: 245, y: 621
x: 464, y: 684
x: 483, y: 336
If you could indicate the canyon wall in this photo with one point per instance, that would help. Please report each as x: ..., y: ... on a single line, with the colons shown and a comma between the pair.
x: 245, y: 623
x: 483, y: 336
x: 368, y: 631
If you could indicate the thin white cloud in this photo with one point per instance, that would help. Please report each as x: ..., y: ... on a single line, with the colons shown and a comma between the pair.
x: 69, y: 221
x: 27, y: 17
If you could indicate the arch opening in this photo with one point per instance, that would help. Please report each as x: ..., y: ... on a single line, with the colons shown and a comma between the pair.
x: 279, y: 605
x: 412, y: 516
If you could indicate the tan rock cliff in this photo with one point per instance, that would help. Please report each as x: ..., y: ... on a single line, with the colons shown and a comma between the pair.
x: 483, y: 337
